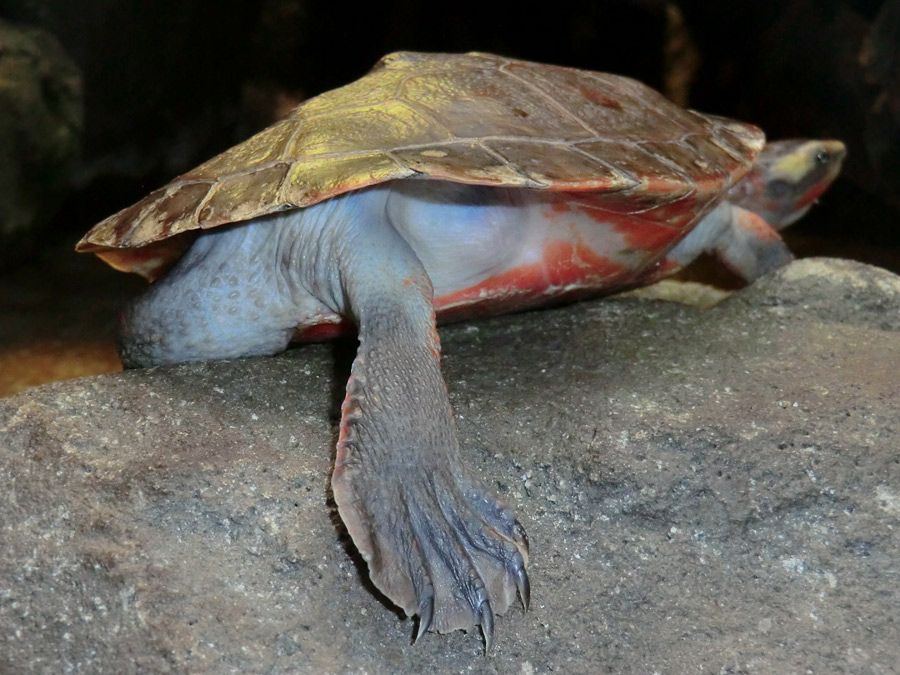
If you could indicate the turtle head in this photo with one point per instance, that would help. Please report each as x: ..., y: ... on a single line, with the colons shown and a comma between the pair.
x: 788, y: 177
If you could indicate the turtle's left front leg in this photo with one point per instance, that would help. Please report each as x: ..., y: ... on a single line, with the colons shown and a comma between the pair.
x: 741, y: 239
x: 437, y: 541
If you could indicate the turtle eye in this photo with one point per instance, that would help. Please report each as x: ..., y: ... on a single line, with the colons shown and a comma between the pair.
x: 823, y: 157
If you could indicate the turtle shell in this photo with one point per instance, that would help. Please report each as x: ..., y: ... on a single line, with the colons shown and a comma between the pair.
x: 471, y: 118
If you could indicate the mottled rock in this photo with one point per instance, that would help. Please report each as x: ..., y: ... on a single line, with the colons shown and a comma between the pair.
x: 705, y: 491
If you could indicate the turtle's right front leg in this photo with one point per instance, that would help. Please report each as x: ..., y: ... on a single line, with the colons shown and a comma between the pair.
x: 437, y: 541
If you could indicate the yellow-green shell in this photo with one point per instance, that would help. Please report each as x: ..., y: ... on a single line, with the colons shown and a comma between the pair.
x: 471, y: 118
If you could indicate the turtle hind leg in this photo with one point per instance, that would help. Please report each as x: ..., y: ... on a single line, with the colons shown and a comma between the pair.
x: 225, y: 298
x: 437, y: 541
x: 745, y: 242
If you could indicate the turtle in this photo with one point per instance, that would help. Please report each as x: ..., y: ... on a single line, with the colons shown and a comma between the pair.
x: 442, y: 187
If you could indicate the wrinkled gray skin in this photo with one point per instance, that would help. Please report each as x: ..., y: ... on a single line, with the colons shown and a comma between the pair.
x: 437, y: 541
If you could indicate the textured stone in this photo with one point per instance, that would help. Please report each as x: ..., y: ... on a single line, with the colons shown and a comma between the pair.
x: 705, y: 491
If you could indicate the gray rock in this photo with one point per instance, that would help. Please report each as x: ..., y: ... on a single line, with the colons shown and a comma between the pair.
x: 712, y: 491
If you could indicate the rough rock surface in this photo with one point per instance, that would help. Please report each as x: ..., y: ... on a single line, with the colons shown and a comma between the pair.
x: 711, y: 491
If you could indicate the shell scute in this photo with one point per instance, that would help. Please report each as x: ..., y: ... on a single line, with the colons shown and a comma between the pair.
x: 462, y: 162
x: 561, y: 165
x: 480, y: 104
x: 242, y: 195
x: 262, y: 149
x: 612, y: 106
x: 472, y: 118
x: 308, y: 182
x: 364, y: 130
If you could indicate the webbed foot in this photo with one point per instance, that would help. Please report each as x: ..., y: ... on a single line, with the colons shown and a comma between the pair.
x: 437, y: 541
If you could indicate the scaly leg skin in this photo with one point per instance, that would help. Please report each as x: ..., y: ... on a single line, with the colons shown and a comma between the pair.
x: 745, y: 242
x: 751, y: 247
x: 437, y: 541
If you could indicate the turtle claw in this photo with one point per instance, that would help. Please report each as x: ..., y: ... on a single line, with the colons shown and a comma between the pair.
x: 426, y: 616
x: 486, y: 621
x: 465, y: 546
x: 524, y: 587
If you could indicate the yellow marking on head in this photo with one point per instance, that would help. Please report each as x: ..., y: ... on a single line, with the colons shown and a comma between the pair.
x: 804, y: 162
x: 795, y: 166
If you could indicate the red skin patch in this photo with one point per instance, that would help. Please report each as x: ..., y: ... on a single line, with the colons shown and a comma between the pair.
x: 558, y: 207
x: 812, y: 194
x: 654, y: 229
x: 750, y: 222
x: 564, y: 265
x: 567, y: 271
x: 324, y: 331
x: 569, y: 268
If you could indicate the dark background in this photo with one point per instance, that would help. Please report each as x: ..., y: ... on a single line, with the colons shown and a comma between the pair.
x: 168, y: 83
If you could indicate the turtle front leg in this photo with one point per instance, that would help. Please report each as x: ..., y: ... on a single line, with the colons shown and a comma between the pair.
x: 437, y: 541
x: 746, y: 243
